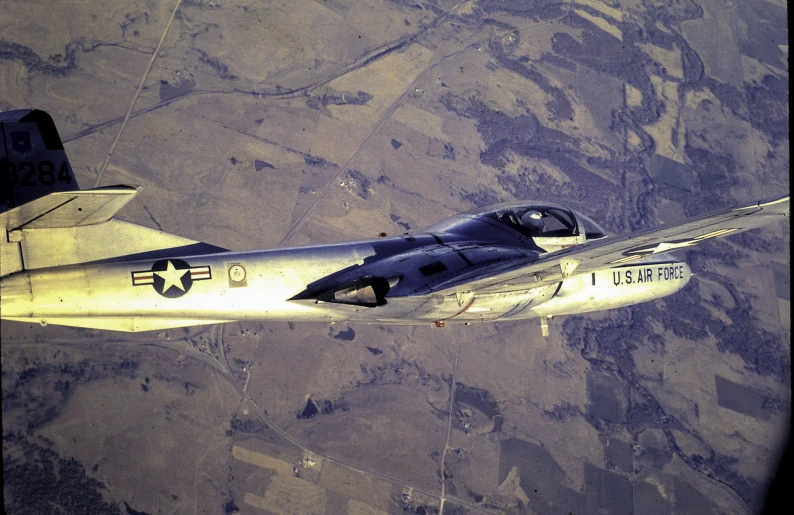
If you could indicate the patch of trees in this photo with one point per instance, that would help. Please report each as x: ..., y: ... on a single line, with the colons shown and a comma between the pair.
x: 37, y: 481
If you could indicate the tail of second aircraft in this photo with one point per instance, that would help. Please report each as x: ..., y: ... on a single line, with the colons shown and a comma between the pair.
x: 48, y: 221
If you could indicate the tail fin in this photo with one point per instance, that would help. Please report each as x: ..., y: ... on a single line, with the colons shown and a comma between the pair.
x: 46, y: 220
x: 33, y: 162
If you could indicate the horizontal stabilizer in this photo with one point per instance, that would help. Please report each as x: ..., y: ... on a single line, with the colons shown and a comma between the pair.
x: 128, y: 324
x: 69, y: 209
x: 114, y: 240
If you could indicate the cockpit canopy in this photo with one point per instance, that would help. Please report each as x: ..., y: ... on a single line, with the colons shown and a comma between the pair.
x: 542, y: 222
x: 538, y: 220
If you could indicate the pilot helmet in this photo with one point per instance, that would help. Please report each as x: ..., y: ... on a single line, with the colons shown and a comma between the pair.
x: 533, y: 220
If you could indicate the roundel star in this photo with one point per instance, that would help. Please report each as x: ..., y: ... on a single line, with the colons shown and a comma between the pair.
x: 172, y: 276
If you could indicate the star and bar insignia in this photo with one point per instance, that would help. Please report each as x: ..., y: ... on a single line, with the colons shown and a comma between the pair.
x: 171, y: 278
x: 667, y: 246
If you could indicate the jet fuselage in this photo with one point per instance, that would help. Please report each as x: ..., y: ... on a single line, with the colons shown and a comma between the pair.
x: 268, y: 285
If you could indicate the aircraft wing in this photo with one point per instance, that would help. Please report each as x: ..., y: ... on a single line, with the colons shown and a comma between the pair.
x: 619, y: 250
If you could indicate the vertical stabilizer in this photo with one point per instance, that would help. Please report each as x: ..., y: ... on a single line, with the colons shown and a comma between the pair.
x: 47, y: 221
x: 33, y: 162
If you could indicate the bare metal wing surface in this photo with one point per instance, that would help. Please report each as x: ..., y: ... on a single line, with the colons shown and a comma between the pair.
x: 624, y: 250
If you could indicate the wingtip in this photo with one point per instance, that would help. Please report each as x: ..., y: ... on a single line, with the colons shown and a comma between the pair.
x: 773, y: 201
x: 765, y: 203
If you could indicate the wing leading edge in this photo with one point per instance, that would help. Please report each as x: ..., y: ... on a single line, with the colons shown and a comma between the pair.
x: 619, y: 250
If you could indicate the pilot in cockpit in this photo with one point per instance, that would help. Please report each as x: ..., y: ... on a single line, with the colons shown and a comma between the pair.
x: 532, y: 222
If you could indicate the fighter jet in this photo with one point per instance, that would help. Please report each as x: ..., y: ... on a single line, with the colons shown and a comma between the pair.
x: 67, y: 261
